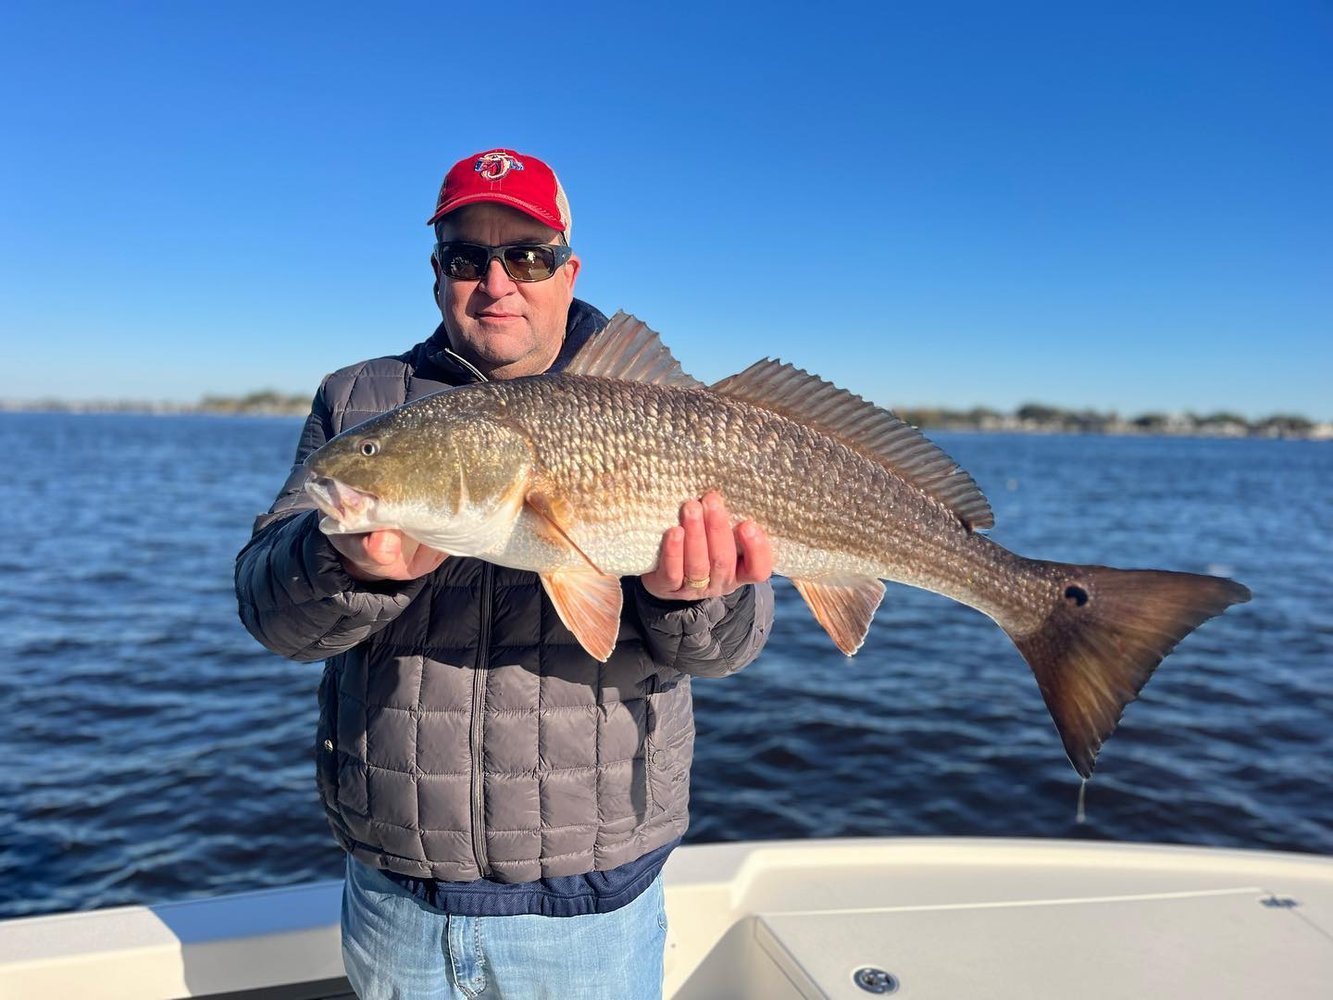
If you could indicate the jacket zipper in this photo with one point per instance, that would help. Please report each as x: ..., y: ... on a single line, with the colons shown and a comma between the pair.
x: 649, y: 740
x: 478, y: 728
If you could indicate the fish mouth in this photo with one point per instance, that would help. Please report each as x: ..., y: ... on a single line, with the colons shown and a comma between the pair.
x: 351, y: 509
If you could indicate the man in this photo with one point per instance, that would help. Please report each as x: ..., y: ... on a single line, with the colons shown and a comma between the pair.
x: 505, y: 801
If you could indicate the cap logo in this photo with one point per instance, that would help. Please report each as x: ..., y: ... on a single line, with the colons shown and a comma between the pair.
x: 493, y: 166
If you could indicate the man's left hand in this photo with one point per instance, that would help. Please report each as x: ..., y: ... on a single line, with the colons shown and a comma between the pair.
x: 704, y: 557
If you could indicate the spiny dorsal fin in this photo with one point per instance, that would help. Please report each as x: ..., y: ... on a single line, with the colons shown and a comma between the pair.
x: 874, y: 432
x: 628, y: 350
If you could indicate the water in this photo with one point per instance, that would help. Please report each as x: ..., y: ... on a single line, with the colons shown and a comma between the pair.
x: 153, y: 751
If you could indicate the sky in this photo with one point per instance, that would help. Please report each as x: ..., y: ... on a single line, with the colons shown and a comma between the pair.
x: 1125, y: 206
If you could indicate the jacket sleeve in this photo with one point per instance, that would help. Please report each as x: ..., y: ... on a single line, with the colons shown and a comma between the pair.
x: 291, y: 589
x: 709, y: 638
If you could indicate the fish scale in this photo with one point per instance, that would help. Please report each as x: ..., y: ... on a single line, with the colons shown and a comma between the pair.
x: 825, y: 507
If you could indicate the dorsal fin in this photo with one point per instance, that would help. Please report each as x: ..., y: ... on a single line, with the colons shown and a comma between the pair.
x: 628, y: 350
x: 874, y: 432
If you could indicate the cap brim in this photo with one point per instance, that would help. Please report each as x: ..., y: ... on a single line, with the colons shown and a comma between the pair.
x: 526, y: 207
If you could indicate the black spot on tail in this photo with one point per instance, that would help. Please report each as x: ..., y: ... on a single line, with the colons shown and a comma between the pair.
x: 1092, y: 657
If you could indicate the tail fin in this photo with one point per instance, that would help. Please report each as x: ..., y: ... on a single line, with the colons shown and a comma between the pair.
x: 1104, y: 636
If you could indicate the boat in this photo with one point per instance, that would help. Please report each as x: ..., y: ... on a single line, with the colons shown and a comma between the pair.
x: 929, y: 917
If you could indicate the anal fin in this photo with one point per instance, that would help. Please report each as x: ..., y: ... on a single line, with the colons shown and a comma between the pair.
x: 844, y: 606
x: 589, y: 605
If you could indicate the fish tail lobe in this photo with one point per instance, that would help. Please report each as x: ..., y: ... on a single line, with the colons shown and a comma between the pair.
x: 1104, y: 635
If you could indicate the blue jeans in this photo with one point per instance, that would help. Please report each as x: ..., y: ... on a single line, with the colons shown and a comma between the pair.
x: 395, y: 947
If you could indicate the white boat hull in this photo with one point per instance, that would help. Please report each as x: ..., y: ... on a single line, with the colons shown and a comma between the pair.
x: 935, y: 917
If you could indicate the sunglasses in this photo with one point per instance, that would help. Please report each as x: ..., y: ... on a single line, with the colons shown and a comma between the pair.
x: 521, y: 261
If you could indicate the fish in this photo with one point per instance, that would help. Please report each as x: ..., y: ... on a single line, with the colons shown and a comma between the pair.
x: 575, y: 475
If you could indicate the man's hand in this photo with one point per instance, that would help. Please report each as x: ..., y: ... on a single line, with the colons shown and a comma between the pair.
x: 386, y: 555
x: 703, y: 557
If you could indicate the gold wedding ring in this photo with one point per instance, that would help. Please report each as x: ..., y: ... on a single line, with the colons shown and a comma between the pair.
x: 697, y: 584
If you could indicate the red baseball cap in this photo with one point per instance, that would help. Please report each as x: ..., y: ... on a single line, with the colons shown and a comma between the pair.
x: 509, y: 178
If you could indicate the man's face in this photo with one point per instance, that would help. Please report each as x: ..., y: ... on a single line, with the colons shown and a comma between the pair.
x: 506, y: 328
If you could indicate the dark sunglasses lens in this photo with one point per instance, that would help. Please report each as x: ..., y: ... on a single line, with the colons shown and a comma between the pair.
x: 529, y: 263
x: 464, y: 262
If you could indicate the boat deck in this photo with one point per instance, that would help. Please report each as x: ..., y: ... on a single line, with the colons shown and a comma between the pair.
x: 928, y: 917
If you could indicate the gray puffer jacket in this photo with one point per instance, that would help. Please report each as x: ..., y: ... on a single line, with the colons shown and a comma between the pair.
x: 463, y: 731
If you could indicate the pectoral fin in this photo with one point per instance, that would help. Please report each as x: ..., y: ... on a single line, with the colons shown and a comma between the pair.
x: 556, y: 514
x: 589, y: 605
x: 844, y: 607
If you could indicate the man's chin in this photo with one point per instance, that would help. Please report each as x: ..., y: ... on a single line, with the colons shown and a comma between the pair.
x: 506, y: 348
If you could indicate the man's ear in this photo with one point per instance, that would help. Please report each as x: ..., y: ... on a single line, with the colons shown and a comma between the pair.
x: 435, y: 268
x: 572, y: 266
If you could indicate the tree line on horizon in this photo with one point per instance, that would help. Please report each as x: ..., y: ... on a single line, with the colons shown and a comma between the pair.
x: 1043, y: 417
x: 262, y: 401
x: 1030, y: 417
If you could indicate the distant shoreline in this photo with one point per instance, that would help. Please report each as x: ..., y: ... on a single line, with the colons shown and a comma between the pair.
x: 256, y: 404
x: 1031, y: 418
x: 1038, y: 418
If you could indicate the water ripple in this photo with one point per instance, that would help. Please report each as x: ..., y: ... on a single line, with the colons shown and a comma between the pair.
x: 156, y: 752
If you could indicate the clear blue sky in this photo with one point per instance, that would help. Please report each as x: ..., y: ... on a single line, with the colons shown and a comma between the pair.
x: 1120, y: 205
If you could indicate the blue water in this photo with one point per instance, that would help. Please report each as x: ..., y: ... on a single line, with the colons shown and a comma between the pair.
x: 153, y: 751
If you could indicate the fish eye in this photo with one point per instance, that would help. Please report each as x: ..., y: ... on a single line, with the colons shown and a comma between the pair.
x: 369, y: 447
